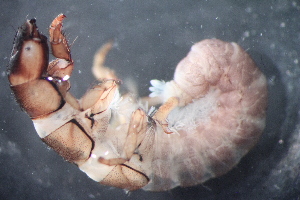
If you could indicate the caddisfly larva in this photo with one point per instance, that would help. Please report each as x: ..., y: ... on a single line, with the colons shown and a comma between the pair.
x: 212, y: 113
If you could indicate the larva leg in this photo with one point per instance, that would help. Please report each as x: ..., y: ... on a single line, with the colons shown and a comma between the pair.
x: 59, y: 44
x: 99, y: 97
x: 99, y: 70
x: 63, y: 66
x: 125, y: 174
x: 135, y: 135
x: 163, y: 112
x: 112, y: 161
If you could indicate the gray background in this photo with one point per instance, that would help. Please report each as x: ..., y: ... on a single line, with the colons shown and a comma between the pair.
x: 151, y: 38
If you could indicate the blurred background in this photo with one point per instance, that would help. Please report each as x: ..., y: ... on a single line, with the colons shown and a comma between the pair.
x: 151, y: 37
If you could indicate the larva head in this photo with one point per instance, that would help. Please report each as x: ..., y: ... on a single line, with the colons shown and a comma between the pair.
x: 29, y: 58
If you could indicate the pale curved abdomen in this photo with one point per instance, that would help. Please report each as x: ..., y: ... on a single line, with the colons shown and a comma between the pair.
x: 223, y: 98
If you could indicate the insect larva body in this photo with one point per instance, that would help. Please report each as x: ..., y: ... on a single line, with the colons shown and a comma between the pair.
x: 212, y: 113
